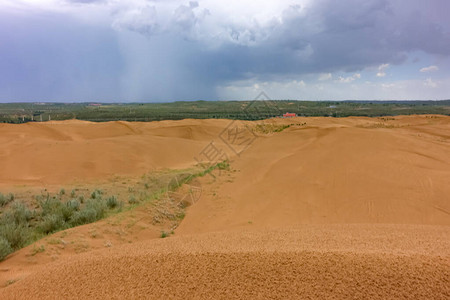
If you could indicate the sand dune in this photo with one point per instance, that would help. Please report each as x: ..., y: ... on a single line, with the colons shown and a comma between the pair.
x: 57, y: 152
x: 333, y: 173
x: 290, y: 263
x: 334, y: 208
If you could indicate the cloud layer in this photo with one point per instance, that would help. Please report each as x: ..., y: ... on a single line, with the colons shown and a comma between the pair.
x: 138, y: 50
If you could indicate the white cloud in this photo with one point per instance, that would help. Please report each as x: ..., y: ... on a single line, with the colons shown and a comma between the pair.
x: 325, y: 76
x: 142, y: 20
x: 430, y: 83
x: 332, y: 89
x: 381, y: 70
x: 349, y: 79
x: 429, y: 69
x: 387, y: 85
x: 212, y: 22
x: 301, y: 83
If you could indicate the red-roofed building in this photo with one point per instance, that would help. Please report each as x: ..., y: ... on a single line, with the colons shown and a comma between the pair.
x: 289, y: 115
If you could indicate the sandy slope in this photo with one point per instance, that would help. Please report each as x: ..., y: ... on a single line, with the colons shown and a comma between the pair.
x: 336, y: 208
x: 340, y: 261
x: 60, y: 152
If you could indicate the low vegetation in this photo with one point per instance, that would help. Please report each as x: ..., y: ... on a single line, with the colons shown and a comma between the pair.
x: 20, y: 225
x: 24, y: 223
x: 240, y: 110
x: 267, y: 128
x: 4, y: 200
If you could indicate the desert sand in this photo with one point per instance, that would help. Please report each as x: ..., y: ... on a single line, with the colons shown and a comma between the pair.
x: 332, y: 208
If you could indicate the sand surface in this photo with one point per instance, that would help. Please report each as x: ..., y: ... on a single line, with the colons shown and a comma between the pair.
x: 334, y: 208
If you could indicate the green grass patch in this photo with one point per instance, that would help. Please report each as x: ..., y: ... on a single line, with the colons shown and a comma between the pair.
x: 21, y: 226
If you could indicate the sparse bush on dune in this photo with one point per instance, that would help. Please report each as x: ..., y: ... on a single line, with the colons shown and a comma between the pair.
x: 69, y: 208
x: 73, y: 204
x: 19, y: 213
x: 85, y: 216
x: 224, y: 165
x: 51, y: 216
x: 5, y: 199
x: 93, y: 210
x: 20, y: 226
x: 5, y: 248
x: 52, y: 206
x: 2, y: 200
x: 97, y: 194
x: 51, y: 223
x: 49, y: 205
x: 112, y: 202
x: 99, y: 206
x: 14, y: 226
x: 16, y: 235
x: 56, y: 214
x: 132, y: 200
x: 272, y: 128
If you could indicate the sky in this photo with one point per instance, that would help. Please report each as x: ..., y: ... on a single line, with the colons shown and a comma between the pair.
x: 169, y: 50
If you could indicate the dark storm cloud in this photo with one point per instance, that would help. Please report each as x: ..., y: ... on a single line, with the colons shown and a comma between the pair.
x: 329, y: 36
x: 347, y: 35
x: 57, y: 59
x: 170, y: 50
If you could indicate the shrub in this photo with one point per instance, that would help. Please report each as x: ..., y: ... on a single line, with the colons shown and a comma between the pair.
x: 51, y: 223
x: 20, y: 213
x: 73, y: 204
x: 112, y: 202
x: 62, y: 192
x: 81, y: 199
x: 73, y: 194
x: 96, y: 194
x: 6, y: 199
x: 133, y: 200
x: 66, y: 212
x: 87, y: 215
x: 39, y: 198
x: 57, y: 210
x: 224, y: 165
x: 5, y: 248
x: 50, y: 206
x: 99, y: 206
x: 37, y: 250
x: 16, y: 235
